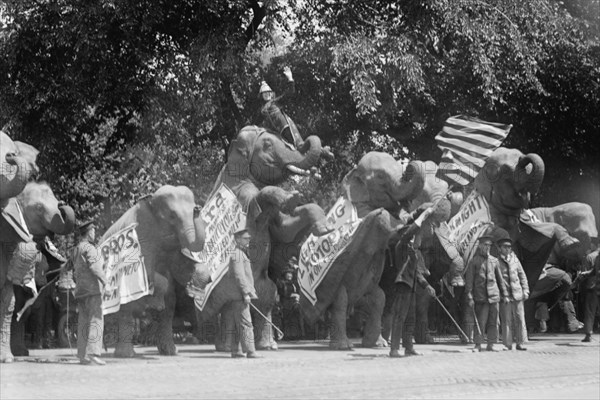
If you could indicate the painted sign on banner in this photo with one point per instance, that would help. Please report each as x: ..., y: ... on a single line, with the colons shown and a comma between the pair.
x: 469, y: 224
x: 318, y: 252
x: 123, y: 265
x: 222, y: 215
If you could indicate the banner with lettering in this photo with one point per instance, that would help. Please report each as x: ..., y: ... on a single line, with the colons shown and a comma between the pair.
x: 318, y: 252
x: 124, y: 267
x: 222, y: 215
x: 468, y: 224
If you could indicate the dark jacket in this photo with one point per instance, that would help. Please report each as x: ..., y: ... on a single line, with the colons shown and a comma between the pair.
x: 241, y: 269
x: 514, y: 277
x: 484, y: 282
x: 409, y: 261
x: 592, y: 264
x: 89, y: 275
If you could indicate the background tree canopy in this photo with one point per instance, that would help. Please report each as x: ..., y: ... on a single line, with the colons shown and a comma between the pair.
x: 122, y: 96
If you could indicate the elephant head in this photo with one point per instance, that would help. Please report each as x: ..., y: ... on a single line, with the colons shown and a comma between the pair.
x: 267, y: 159
x: 17, y: 164
x: 178, y: 216
x: 380, y: 181
x: 508, y: 178
x: 43, y: 213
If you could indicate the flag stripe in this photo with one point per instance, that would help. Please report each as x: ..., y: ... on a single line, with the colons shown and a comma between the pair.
x: 466, y: 144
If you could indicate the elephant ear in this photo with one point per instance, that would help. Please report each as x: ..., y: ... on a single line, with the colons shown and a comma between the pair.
x: 355, y: 187
x: 240, y: 152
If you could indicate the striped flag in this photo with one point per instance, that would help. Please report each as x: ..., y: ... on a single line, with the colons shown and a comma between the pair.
x: 466, y: 143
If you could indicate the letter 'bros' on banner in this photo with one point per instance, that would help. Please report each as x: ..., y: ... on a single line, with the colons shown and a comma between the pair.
x: 317, y: 254
x: 222, y: 215
x: 124, y: 267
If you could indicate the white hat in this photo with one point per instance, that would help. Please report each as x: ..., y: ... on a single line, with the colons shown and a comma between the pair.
x: 264, y: 88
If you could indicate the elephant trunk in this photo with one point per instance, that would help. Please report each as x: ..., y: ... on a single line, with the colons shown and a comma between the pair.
x: 529, y: 179
x: 307, y: 155
x: 10, y: 187
x: 192, y: 235
x: 411, y: 183
x: 63, y: 223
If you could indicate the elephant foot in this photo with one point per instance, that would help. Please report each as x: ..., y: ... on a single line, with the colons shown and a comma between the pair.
x: 167, y: 349
x: 343, y: 344
x: 20, y: 352
x: 380, y: 342
x: 6, y: 358
x: 124, y: 351
x: 267, y: 346
x: 223, y: 348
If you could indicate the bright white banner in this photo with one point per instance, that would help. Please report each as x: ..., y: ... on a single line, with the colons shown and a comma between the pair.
x: 318, y: 253
x: 124, y: 267
x: 222, y: 215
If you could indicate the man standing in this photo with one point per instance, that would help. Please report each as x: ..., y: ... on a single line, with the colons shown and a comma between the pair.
x: 90, y: 282
x: 411, y: 269
x: 591, y: 290
x: 483, y: 288
x: 240, y: 268
x: 512, y: 314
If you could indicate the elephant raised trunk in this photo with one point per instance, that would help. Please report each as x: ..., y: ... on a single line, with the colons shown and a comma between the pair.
x: 63, y: 223
x: 14, y: 174
x: 529, y: 179
x: 191, y: 235
x: 307, y: 156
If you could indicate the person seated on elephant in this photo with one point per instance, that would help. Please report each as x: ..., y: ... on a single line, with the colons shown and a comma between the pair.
x: 484, y: 288
x: 590, y: 288
x: 512, y: 314
x: 21, y: 272
x: 289, y: 295
x: 241, y: 324
x: 411, y: 272
x: 90, y: 284
x: 552, y: 288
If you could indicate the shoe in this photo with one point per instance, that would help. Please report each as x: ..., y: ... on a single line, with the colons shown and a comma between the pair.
x: 84, y: 361
x: 490, y: 347
x: 521, y: 348
x: 238, y: 355
x: 253, y: 354
x: 477, y: 348
x: 96, y: 360
x: 394, y: 354
x: 587, y: 338
x: 510, y: 347
x: 543, y: 327
x: 411, y: 352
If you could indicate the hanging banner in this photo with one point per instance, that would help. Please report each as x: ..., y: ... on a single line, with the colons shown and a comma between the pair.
x: 468, y: 224
x: 222, y: 215
x: 318, y: 253
x: 124, y: 268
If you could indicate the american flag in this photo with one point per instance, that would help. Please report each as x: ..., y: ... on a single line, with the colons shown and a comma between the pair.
x: 466, y: 143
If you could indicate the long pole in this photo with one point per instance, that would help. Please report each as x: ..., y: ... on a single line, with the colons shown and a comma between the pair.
x: 453, y: 320
x: 267, y: 319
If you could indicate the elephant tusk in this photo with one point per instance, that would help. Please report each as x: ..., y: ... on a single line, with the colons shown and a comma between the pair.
x: 298, y: 171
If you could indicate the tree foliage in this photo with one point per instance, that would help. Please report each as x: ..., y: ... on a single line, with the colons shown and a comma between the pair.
x: 124, y: 96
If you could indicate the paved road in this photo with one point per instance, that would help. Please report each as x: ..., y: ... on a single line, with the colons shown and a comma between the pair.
x: 554, y: 367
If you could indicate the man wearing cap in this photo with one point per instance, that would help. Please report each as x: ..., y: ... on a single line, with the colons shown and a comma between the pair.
x: 90, y: 283
x: 590, y: 284
x: 512, y: 314
x: 483, y: 287
x: 240, y: 268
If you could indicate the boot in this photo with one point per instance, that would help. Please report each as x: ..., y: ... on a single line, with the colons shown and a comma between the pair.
x: 587, y: 338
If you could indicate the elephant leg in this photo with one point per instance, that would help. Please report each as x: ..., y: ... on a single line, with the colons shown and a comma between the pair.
x: 17, y: 328
x: 339, y: 308
x: 264, y: 331
x: 225, y: 329
x: 422, y: 335
x: 7, y: 306
x: 372, y: 331
x: 164, y: 332
x: 125, y: 333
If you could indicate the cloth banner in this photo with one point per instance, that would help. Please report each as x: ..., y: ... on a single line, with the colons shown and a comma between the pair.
x: 124, y: 267
x: 318, y: 253
x: 468, y: 225
x: 222, y: 215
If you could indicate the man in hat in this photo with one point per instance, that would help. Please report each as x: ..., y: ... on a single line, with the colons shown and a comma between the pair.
x: 483, y: 288
x: 512, y: 314
x: 90, y: 283
x: 240, y: 268
x: 590, y: 285
x: 289, y: 296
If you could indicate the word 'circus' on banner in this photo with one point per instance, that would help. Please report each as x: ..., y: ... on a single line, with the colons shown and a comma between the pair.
x: 318, y: 253
x: 468, y: 224
x: 222, y: 215
x: 123, y: 264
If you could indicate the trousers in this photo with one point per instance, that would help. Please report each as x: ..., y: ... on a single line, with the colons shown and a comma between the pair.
x: 241, y: 324
x: 487, y: 320
x: 90, y: 326
x: 403, y: 317
x: 512, y: 319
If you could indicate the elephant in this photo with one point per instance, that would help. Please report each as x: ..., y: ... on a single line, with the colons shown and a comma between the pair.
x: 17, y: 165
x: 27, y: 218
x: 259, y: 160
x: 168, y: 226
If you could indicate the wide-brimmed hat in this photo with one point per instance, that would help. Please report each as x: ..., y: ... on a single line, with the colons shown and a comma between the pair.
x: 84, y: 224
x: 264, y: 87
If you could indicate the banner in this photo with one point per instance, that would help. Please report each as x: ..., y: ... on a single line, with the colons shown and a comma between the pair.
x: 318, y: 253
x: 468, y: 224
x: 222, y: 215
x: 124, y: 268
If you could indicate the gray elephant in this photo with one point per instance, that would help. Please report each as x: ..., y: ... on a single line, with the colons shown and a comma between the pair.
x: 17, y: 165
x: 32, y: 215
x: 166, y: 222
